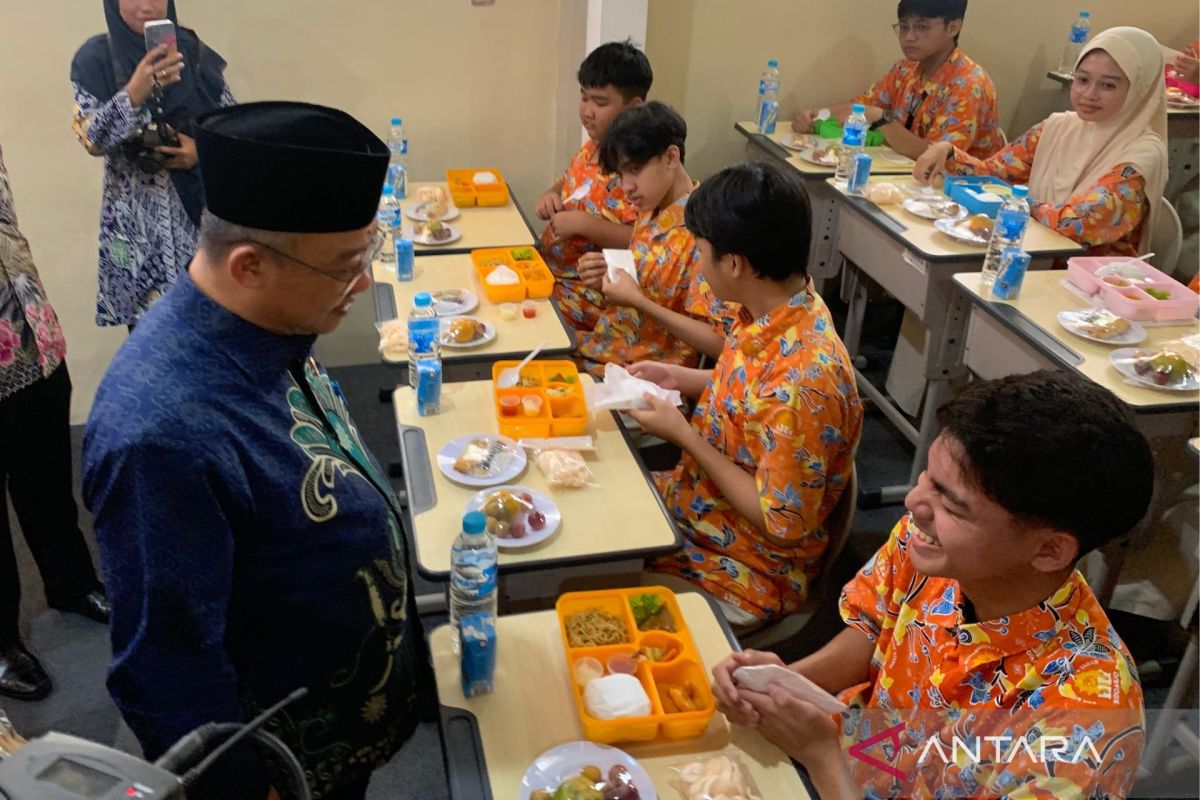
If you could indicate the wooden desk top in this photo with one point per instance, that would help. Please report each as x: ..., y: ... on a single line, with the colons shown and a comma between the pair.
x: 595, y: 527
x: 1042, y: 297
x: 922, y: 237
x: 884, y: 160
x: 532, y: 709
x: 456, y: 271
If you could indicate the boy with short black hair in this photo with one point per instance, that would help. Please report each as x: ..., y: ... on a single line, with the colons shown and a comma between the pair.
x: 770, y: 447
x: 652, y: 317
x: 586, y: 208
x: 935, y: 93
x: 972, y: 624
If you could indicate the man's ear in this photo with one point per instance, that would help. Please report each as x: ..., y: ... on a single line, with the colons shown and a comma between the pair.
x: 246, y: 266
x: 954, y: 27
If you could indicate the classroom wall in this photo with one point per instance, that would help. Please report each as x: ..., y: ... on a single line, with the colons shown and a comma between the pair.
x: 474, y: 84
x: 707, y: 55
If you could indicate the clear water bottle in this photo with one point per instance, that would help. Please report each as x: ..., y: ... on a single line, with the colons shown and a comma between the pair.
x: 767, y: 112
x: 1076, y: 39
x: 854, y: 138
x: 389, y: 217
x: 1009, y: 231
x: 397, y: 174
x: 473, y: 575
x: 422, y: 334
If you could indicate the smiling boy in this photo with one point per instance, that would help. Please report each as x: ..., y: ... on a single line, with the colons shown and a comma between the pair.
x: 586, y: 208
x: 972, y: 622
x: 935, y: 93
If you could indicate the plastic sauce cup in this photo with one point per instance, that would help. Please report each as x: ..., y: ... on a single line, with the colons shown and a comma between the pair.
x: 587, y: 669
x: 529, y: 309
x: 532, y: 404
x: 622, y: 664
x: 509, y: 404
x: 508, y: 311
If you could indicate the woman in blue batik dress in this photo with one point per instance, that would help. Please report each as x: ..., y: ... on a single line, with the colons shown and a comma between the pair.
x: 150, y: 211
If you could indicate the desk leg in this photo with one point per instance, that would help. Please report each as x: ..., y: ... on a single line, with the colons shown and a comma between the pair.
x: 854, y: 292
x: 824, y: 261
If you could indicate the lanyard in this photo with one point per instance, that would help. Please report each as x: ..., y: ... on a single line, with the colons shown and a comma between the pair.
x: 912, y: 112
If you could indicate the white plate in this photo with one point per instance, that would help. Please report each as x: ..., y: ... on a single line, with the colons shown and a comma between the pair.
x: 452, y: 449
x: 541, y: 502
x: 807, y: 155
x: 417, y: 212
x: 455, y: 235
x: 489, y: 334
x: 798, y: 141
x: 1123, y: 361
x: 1070, y: 320
x: 950, y: 227
x: 554, y: 766
x: 925, y: 208
x: 454, y: 308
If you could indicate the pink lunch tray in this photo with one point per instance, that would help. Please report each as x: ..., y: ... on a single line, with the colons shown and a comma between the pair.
x: 1131, y: 301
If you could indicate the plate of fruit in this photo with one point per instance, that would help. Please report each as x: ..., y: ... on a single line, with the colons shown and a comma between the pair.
x: 435, y: 232
x: 586, y: 771
x: 1164, y: 369
x: 518, y: 517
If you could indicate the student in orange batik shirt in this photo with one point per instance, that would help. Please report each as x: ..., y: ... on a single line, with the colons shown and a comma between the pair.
x: 935, y: 93
x: 668, y: 314
x: 586, y: 208
x: 972, y: 624
x: 770, y: 447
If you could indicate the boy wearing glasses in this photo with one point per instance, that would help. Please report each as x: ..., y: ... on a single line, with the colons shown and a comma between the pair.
x: 935, y: 93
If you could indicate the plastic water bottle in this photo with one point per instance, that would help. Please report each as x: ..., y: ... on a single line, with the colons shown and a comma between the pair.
x: 768, y: 98
x: 389, y: 217
x: 1075, y: 41
x: 472, y: 572
x: 422, y: 334
x: 1009, y: 231
x: 404, y: 254
x: 397, y: 174
x: 854, y: 138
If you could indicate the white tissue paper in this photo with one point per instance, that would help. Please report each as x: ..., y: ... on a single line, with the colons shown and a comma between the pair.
x: 620, y: 261
x: 620, y: 391
x: 481, y: 178
x: 615, y: 696
x: 502, y: 276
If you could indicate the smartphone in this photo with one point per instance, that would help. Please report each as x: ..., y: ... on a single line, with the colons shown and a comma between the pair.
x: 160, y: 31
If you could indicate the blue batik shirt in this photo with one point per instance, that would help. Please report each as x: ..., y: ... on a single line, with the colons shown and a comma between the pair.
x: 250, y: 544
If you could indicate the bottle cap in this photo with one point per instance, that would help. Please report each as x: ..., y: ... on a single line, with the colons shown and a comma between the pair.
x: 388, y: 190
x: 1085, y: 13
x: 397, y: 121
x: 773, y: 64
x: 422, y: 300
x: 1020, y: 191
x: 474, y: 521
x: 858, y: 108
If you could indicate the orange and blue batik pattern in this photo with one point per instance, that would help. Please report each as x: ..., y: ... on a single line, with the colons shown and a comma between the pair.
x: 782, y: 405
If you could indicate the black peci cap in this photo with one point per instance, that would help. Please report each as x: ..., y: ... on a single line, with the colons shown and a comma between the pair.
x: 290, y: 167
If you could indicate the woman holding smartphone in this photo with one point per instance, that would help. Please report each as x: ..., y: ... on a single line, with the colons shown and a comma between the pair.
x: 135, y: 107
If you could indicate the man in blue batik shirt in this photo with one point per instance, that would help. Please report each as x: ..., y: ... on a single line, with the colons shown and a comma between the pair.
x: 251, y: 544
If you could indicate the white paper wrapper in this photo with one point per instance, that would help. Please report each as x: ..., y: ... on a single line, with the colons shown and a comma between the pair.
x: 615, y: 696
x: 620, y: 391
x: 620, y: 261
x: 502, y: 276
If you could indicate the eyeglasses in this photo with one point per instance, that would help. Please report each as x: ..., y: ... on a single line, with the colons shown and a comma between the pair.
x: 342, y: 276
x: 919, y: 28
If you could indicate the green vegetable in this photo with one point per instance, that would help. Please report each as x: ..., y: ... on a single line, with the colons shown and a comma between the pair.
x: 644, y: 607
x: 1158, y: 294
x: 558, y: 377
x: 522, y: 254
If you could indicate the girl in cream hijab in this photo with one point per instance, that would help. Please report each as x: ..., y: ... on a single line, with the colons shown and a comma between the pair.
x: 1096, y: 174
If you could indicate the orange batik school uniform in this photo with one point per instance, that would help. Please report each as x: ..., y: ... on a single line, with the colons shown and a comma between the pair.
x: 956, y: 104
x: 667, y: 260
x: 585, y: 187
x: 1055, y: 676
x: 783, y: 405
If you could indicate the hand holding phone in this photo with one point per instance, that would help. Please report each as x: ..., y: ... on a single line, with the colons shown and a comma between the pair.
x: 160, y: 31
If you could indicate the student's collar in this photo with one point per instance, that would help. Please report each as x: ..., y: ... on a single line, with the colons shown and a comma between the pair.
x: 754, y: 335
x: 671, y: 216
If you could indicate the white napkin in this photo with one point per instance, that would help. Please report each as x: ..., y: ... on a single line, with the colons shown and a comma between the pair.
x: 621, y: 391
x: 502, y: 276
x: 620, y: 261
x: 616, y: 696
x: 482, y: 178
x: 758, y: 678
